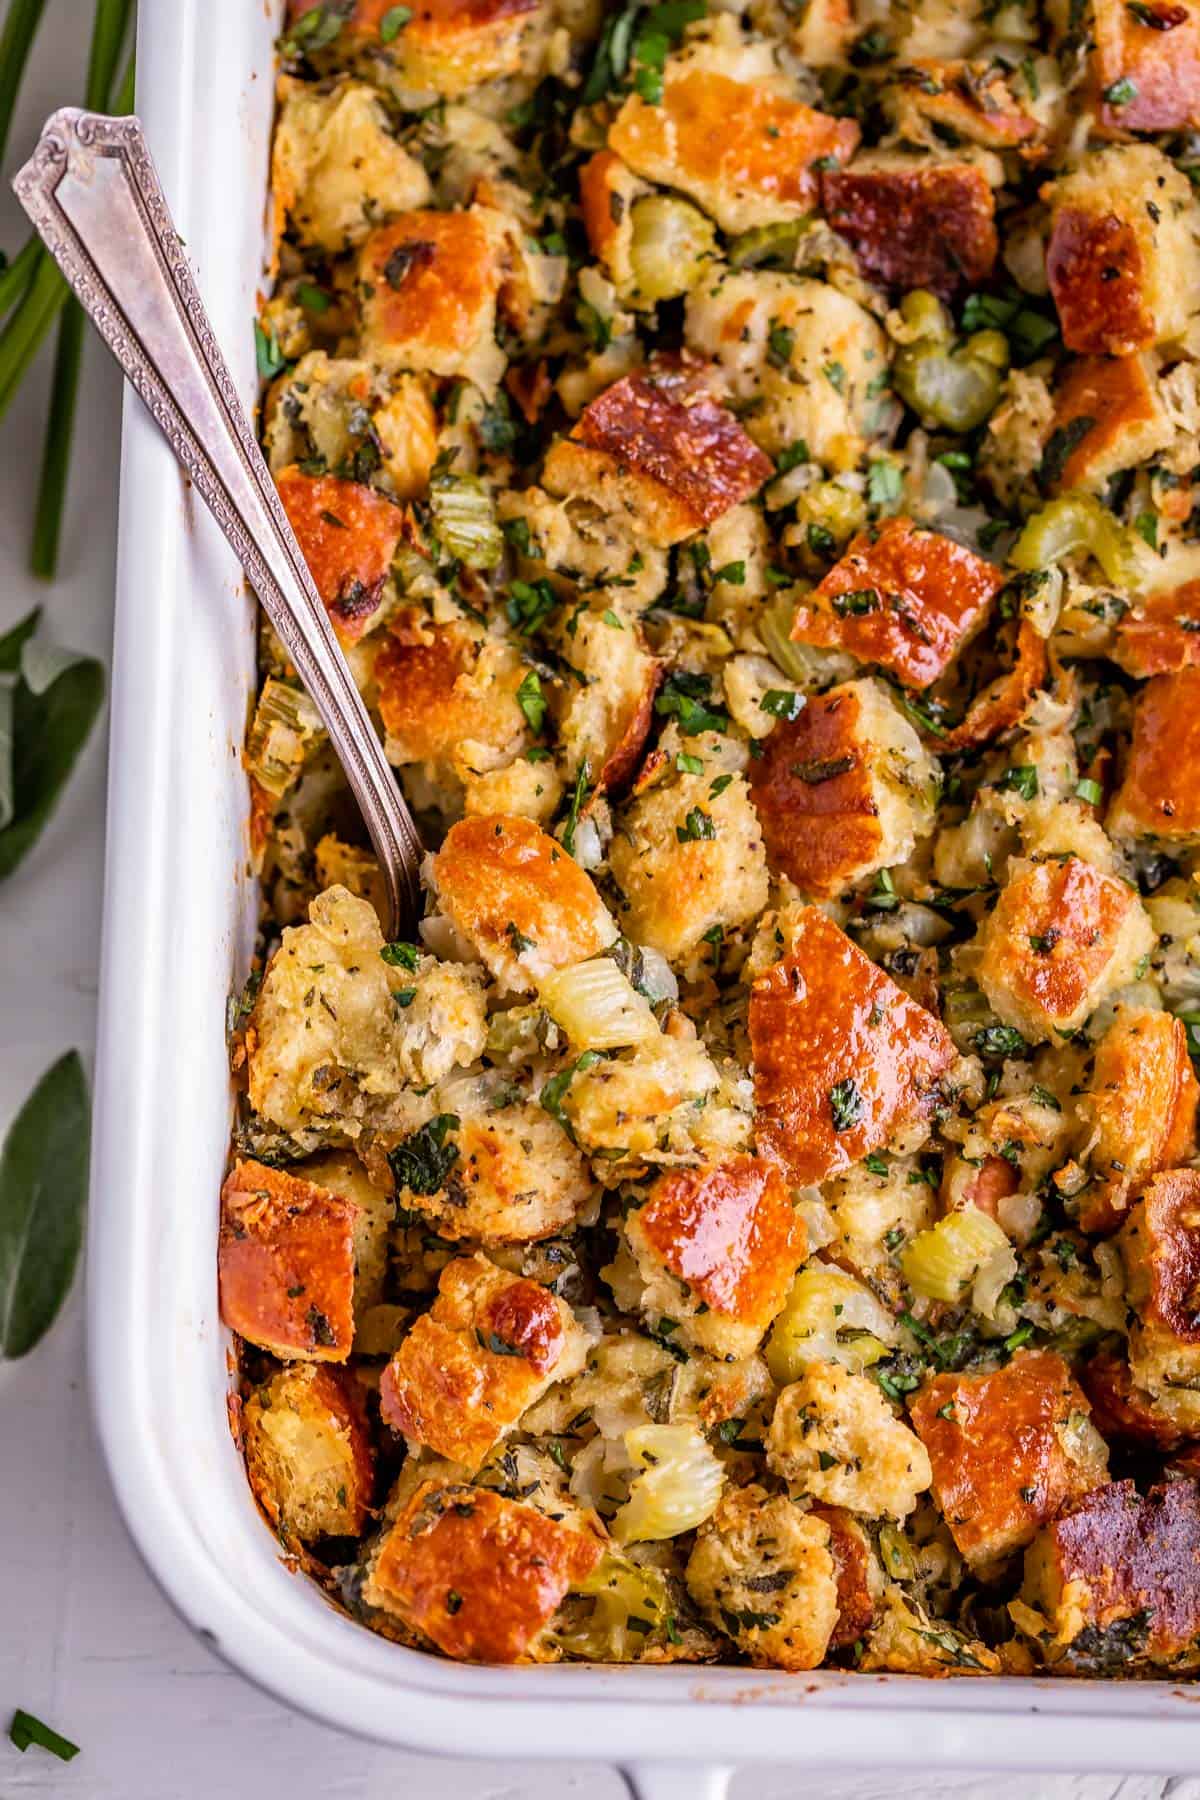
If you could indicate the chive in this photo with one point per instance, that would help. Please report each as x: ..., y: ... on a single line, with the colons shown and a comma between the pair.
x: 16, y: 39
x: 108, y: 35
x: 22, y: 336
x: 25, y: 1730
x: 15, y: 278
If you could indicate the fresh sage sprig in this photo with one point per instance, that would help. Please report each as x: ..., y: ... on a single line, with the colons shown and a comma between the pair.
x: 49, y: 699
x: 43, y: 1189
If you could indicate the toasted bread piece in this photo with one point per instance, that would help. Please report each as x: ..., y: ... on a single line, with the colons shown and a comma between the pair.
x: 1129, y: 423
x: 428, y: 283
x: 744, y: 152
x: 519, y: 899
x: 488, y: 1348
x: 844, y: 1061
x: 286, y: 1264
x: 446, y: 47
x: 1138, y: 1110
x: 763, y: 1571
x: 1006, y: 700
x: 604, y: 720
x: 1117, y: 1577
x: 843, y: 789
x: 475, y: 1574
x: 657, y: 449
x: 834, y: 1436
x: 914, y: 223
x: 973, y: 99
x: 308, y: 1452
x: 1160, y: 634
x: 902, y: 596
x: 337, y: 168
x: 1146, y: 65
x: 1127, y: 1413
x: 1061, y: 937
x: 1122, y: 262
x: 859, y: 1577
x: 1160, y: 1248
x: 348, y: 533
x: 716, y: 1248
x: 1159, y: 796
x: 448, y: 699
x: 1008, y: 1450
x: 607, y: 190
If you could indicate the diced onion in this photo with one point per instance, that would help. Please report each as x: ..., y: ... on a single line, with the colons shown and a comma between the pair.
x: 678, y: 1487
x: 597, y: 1006
x: 941, y: 1262
x: 286, y: 727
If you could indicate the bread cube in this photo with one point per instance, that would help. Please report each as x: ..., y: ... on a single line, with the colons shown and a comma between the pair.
x: 843, y: 789
x: 519, y: 899
x: 337, y: 1032
x: 974, y: 100
x: 902, y: 596
x: 909, y: 1640
x: 428, y: 284
x: 1122, y: 262
x: 308, y: 1452
x: 874, y: 1212
x: 445, y: 49
x: 716, y: 1248
x: 1006, y: 701
x: 1117, y: 1577
x: 488, y: 1348
x: 1160, y: 634
x: 343, y: 1174
x: 607, y: 191
x: 337, y: 168
x: 913, y: 223
x: 1138, y: 1110
x: 1008, y: 1449
x: 859, y: 1576
x: 803, y: 360
x: 1159, y: 795
x: 483, y: 1169
x: 477, y: 1575
x: 688, y: 856
x: 348, y: 533
x: 844, y: 1061
x: 448, y: 699
x: 1128, y: 1414
x: 658, y: 450
x: 604, y: 720
x: 1059, y: 940
x: 658, y: 1103
x: 1114, y: 402
x: 1160, y: 1248
x: 742, y: 149
x: 1147, y: 58
x: 762, y: 1571
x: 285, y: 1264
x: 834, y: 1436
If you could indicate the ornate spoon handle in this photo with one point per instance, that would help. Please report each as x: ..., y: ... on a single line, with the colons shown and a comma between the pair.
x: 95, y: 199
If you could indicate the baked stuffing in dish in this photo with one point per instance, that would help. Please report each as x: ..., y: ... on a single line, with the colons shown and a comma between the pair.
x: 748, y: 452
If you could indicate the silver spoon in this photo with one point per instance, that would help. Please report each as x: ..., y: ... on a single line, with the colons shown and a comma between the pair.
x: 95, y: 200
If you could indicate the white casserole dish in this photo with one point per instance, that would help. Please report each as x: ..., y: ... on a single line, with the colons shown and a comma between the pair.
x: 178, y: 927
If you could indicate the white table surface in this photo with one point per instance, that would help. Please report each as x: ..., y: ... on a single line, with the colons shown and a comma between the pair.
x: 86, y: 1641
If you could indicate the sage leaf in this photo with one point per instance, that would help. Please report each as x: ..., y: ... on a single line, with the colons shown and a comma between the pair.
x: 43, y: 1188
x: 49, y: 700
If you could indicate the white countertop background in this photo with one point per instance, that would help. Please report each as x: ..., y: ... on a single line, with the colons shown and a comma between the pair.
x: 86, y: 1640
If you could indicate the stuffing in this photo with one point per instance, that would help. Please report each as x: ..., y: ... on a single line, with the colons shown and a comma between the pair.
x: 486, y: 1351
x: 663, y: 1102
x: 834, y: 1436
x: 859, y: 1577
x: 607, y: 191
x: 844, y: 1062
x: 574, y: 541
x: 448, y: 699
x: 604, y: 718
x: 286, y: 1264
x: 903, y: 596
x: 1129, y: 1414
x: 444, y: 48
x: 531, y: 787
x: 764, y: 1573
x: 842, y: 789
x: 688, y: 854
x: 914, y: 223
x: 1160, y: 1249
x: 715, y: 1249
x: 907, y: 1640
x: 1110, y: 410
x: 803, y: 360
x: 428, y: 284
x: 660, y: 452
x: 1156, y: 798
x: 1159, y: 634
x: 1007, y: 1450
x: 975, y: 100
x: 338, y: 1029
x: 728, y: 134
x: 338, y: 864
x: 308, y: 1452
x: 483, y: 1167
x: 875, y: 1208
x: 1138, y: 1111
x: 1145, y: 65
x: 475, y: 1574
x: 1123, y: 261
x: 1060, y: 939
x: 1116, y: 1580
x: 518, y: 899
x: 337, y: 168
x: 406, y: 428
x: 341, y: 1173
x: 348, y: 534
x: 1010, y: 1147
